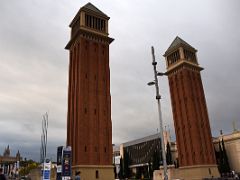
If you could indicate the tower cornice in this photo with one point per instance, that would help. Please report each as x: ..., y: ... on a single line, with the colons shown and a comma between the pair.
x: 88, y: 34
x: 183, y: 63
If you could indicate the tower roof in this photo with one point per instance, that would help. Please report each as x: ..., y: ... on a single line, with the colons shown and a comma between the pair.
x: 176, y: 43
x: 89, y: 7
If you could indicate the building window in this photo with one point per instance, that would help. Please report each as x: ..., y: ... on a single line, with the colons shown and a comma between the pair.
x: 85, y: 149
x: 173, y: 58
x: 95, y: 23
x: 189, y: 56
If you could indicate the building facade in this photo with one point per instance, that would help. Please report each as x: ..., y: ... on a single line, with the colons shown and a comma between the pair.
x: 89, y: 127
x: 192, y: 128
x: 10, y: 163
x: 142, y: 152
x: 232, y: 146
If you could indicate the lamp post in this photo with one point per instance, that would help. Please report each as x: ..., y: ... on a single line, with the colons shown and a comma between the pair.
x: 158, y: 97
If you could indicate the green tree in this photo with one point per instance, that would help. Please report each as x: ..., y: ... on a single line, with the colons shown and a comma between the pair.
x: 126, y: 163
x: 120, y: 174
x: 220, y: 156
x: 169, y: 154
x: 225, y: 166
x: 28, y: 166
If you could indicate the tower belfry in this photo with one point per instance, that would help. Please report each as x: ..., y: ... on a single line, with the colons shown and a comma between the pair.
x: 190, y: 114
x: 89, y: 126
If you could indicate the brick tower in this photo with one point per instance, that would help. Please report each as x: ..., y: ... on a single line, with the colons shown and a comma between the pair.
x: 89, y: 127
x: 193, y: 133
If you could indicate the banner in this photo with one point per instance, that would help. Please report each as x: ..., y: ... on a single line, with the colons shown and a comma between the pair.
x: 46, y: 170
x: 59, y: 162
x: 67, y: 162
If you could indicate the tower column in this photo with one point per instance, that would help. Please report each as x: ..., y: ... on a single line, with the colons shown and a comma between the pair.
x: 193, y: 133
x: 89, y: 127
x: 181, y: 53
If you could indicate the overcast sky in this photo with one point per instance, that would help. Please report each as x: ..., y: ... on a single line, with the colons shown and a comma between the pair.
x: 34, y: 65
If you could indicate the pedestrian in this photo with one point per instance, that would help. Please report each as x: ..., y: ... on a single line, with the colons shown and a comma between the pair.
x: 2, y: 176
x: 77, y: 175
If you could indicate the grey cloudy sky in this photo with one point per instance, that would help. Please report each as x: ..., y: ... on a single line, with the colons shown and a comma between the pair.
x: 34, y: 65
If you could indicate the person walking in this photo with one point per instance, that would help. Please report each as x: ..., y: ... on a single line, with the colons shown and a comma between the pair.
x: 77, y: 175
x: 2, y: 176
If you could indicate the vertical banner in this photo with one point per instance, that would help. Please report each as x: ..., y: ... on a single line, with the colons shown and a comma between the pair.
x: 46, y: 170
x: 59, y: 162
x: 67, y: 162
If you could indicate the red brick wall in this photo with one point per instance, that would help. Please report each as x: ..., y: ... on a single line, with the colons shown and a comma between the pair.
x: 89, y: 128
x: 190, y: 116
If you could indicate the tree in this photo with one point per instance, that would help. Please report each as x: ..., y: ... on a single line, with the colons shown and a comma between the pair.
x: 220, y: 155
x: 223, y: 164
x: 126, y: 163
x: 169, y: 154
x: 226, y: 167
x: 120, y: 174
x: 25, y: 170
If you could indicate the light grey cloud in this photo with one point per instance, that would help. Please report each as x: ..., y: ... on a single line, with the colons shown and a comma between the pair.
x: 34, y: 65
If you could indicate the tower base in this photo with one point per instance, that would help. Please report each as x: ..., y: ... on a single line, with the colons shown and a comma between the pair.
x: 188, y: 173
x: 93, y: 172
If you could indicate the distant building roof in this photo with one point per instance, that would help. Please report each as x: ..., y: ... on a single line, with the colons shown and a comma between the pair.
x: 6, y: 151
x: 141, y: 140
x: 6, y: 157
x: 227, y: 137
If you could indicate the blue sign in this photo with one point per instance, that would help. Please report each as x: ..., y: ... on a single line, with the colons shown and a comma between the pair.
x: 46, y: 174
x: 46, y: 170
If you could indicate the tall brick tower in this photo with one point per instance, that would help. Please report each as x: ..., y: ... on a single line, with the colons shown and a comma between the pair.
x: 89, y: 127
x: 190, y: 114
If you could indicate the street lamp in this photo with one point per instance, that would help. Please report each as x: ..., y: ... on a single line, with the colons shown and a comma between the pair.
x: 158, y: 97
